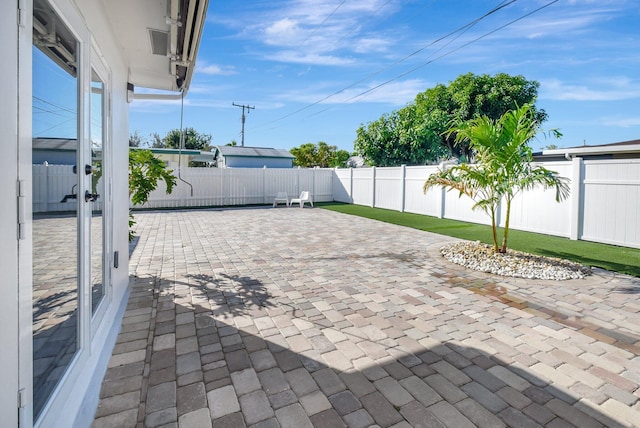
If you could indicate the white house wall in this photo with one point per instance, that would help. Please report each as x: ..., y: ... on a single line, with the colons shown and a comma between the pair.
x: 80, y: 407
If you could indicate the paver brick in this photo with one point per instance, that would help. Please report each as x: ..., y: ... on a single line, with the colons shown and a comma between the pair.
x: 485, y: 397
x: 382, y: 411
x: 420, y: 391
x: 273, y: 381
x: 315, y: 402
x: 222, y: 401
x: 237, y: 360
x: 161, y: 417
x: 328, y: 381
x: 126, y: 418
x: 301, y: 382
x: 393, y: 391
x: 293, y: 416
x: 200, y: 418
x: 245, y: 381
x: 446, y: 389
x: 357, y: 383
x: 191, y: 398
x: 478, y: 415
x: 416, y: 414
x: 262, y: 360
x: 327, y: 419
x: 345, y: 402
x: 358, y: 419
x: 255, y: 407
x: 118, y: 403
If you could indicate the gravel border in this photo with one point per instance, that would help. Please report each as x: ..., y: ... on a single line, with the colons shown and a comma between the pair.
x: 481, y: 257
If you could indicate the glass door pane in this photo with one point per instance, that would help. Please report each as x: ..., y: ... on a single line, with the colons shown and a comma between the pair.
x: 55, y: 201
x: 97, y: 189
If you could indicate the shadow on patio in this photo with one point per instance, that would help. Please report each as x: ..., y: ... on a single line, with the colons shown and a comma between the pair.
x: 219, y: 352
x: 297, y: 318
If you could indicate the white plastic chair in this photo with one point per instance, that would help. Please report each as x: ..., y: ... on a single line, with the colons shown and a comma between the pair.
x: 304, y: 197
x: 281, y: 197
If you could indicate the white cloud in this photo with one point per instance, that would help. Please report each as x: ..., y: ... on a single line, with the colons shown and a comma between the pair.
x: 214, y: 69
x: 395, y: 93
x: 611, y: 89
x: 299, y: 57
x: 622, y: 122
x: 283, y: 32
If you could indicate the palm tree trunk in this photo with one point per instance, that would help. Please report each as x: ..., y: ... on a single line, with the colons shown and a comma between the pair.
x: 505, y: 234
x: 494, y: 230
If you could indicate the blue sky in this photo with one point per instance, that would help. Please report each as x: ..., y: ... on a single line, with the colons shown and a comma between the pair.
x: 309, y: 66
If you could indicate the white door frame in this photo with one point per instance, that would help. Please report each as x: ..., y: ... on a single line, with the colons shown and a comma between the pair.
x: 68, y: 12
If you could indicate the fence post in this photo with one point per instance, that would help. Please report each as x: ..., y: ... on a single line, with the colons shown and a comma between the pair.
x: 313, y: 184
x: 373, y: 187
x: 351, y: 185
x: 443, y: 195
x: 403, y: 190
x: 576, y: 199
x: 46, y: 186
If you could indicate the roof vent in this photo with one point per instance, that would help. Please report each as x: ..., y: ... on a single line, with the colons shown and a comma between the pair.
x: 159, y: 42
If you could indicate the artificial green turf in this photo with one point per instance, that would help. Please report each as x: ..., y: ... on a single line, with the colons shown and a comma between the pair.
x: 609, y: 257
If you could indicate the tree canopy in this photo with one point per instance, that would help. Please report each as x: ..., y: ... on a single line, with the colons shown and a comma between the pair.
x: 416, y: 134
x: 322, y: 155
x: 192, y: 140
x: 398, y: 138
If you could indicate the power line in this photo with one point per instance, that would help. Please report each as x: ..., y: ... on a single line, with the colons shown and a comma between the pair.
x: 323, y: 22
x: 463, y: 28
x: 452, y: 51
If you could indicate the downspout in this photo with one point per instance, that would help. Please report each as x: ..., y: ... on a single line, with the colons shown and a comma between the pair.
x: 182, y: 146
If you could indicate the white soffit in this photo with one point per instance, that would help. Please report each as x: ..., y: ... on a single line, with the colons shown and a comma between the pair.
x: 144, y: 26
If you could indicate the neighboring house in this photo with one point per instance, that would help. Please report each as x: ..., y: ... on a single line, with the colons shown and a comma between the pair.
x: 175, y: 158
x: 623, y: 150
x: 66, y: 278
x: 252, y: 157
x: 54, y: 151
x: 356, y: 162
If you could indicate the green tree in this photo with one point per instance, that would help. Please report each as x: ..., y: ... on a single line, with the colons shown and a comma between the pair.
x: 145, y: 171
x: 398, y: 138
x: 321, y: 155
x: 503, y: 165
x: 157, y: 142
x: 192, y: 140
x: 135, y: 140
x: 470, y: 96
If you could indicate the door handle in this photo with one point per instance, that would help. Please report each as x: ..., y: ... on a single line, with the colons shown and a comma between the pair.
x: 90, y: 197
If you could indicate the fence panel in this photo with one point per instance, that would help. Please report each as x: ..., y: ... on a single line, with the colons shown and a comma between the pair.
x: 537, y: 210
x: 415, y: 200
x: 389, y: 188
x: 323, y: 185
x: 363, y: 186
x: 50, y: 185
x: 611, y: 201
x: 342, y: 185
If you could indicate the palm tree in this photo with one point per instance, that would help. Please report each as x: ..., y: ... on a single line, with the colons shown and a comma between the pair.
x: 503, y: 165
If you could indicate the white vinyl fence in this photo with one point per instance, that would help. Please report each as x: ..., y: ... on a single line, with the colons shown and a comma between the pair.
x: 604, y: 205
x: 196, y: 187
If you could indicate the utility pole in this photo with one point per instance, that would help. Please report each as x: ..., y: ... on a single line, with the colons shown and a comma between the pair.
x: 243, y: 118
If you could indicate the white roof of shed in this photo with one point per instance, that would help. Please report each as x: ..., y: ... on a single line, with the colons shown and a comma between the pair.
x: 255, y: 152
